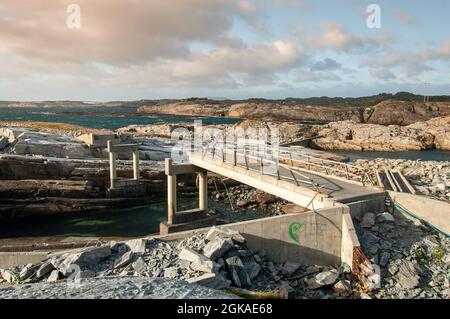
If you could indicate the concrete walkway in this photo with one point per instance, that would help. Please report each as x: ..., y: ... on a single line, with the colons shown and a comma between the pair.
x: 287, y: 178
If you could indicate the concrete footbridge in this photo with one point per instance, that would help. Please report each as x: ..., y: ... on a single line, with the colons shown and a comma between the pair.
x: 307, y: 181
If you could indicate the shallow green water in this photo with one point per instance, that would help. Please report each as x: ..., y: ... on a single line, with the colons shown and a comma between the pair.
x: 101, y: 118
x: 122, y: 222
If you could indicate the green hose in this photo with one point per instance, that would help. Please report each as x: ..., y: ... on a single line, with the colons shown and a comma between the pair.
x: 405, y: 212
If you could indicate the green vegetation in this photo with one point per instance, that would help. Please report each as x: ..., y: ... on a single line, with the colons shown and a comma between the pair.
x: 420, y: 255
x: 438, y: 254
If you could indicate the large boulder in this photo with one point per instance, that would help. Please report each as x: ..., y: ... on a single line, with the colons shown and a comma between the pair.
x: 348, y: 135
x: 325, y: 278
x: 8, y: 275
x: 216, y: 281
x: 24, y: 142
x: 85, y: 258
x: 198, y: 261
x: 217, y: 247
x: 236, y: 269
x: 44, y: 270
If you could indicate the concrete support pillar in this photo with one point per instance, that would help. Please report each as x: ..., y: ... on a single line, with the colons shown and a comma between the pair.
x: 112, y: 169
x: 203, y: 190
x: 171, y: 198
x: 136, y: 165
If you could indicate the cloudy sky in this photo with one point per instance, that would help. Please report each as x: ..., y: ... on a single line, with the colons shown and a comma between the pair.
x: 135, y: 49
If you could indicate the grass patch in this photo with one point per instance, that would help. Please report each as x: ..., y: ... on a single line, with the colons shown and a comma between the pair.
x: 438, y: 254
x: 420, y: 255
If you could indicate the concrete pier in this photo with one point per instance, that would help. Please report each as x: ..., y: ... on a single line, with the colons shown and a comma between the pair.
x: 171, y: 198
x: 112, y: 169
x: 188, y: 219
x: 114, y: 149
x: 203, y: 190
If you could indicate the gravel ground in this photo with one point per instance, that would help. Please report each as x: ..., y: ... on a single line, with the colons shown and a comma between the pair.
x: 113, y: 288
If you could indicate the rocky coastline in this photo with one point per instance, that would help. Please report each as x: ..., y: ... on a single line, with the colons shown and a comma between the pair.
x: 386, y: 112
x: 414, y: 261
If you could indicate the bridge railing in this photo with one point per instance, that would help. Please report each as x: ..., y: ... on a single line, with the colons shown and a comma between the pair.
x: 294, y: 161
x: 258, y: 163
x: 329, y: 167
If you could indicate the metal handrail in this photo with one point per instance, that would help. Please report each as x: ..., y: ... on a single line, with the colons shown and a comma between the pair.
x: 247, y: 157
x: 284, y: 153
x: 310, y: 162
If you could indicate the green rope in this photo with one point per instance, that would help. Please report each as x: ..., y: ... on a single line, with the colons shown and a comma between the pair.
x: 405, y: 212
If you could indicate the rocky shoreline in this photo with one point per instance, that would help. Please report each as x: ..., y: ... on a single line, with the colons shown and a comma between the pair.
x: 386, y: 112
x: 414, y: 262
x: 74, y: 177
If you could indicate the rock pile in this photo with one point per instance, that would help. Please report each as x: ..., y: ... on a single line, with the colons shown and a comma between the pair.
x: 244, y: 197
x: 218, y: 259
x: 429, y: 178
x: 413, y: 259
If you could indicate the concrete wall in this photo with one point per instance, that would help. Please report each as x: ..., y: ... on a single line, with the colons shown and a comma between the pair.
x: 349, y: 240
x: 12, y: 259
x: 375, y: 204
x: 326, y: 237
x: 319, y: 240
x: 435, y: 212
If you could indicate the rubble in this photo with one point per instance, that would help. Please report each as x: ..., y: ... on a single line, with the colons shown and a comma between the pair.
x: 322, y: 279
x: 8, y: 275
x: 217, y: 247
x: 429, y: 178
x: 216, y: 281
x: 408, y: 258
x: 45, y: 269
x: 27, y: 272
x: 54, y: 276
x: 405, y: 261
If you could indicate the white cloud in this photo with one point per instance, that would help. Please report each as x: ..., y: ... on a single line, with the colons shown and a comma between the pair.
x: 335, y: 36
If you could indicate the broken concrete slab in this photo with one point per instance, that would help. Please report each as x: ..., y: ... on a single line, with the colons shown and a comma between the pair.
x: 8, y: 275
x: 137, y: 246
x: 171, y: 272
x: 45, y: 269
x: 54, y: 276
x: 124, y: 260
x: 287, y: 292
x: 252, y: 269
x: 27, y: 272
x: 237, y: 271
x: 325, y: 278
x: 215, y: 281
x: 289, y: 268
x: 217, y: 247
x: 225, y: 233
x: 343, y: 288
x: 407, y: 276
x: 139, y: 265
x: 198, y: 261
